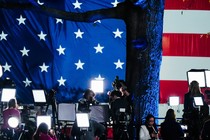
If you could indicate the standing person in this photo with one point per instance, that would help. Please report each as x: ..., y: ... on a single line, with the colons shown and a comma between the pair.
x: 11, y: 111
x: 170, y: 129
x: 87, y: 101
x: 116, y: 115
x: 149, y: 129
x: 192, y: 115
x: 43, y: 133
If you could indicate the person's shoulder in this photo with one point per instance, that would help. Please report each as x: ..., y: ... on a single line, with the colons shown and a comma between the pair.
x: 143, y: 126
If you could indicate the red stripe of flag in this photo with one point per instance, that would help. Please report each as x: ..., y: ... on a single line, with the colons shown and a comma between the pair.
x: 187, y: 4
x: 186, y: 45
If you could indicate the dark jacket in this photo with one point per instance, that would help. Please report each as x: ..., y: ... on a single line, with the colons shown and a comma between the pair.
x: 171, y: 130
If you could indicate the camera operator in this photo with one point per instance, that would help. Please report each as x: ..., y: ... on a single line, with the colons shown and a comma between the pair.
x: 116, y: 115
x: 87, y: 100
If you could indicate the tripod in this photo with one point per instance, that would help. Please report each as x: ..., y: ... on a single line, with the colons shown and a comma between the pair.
x: 52, y: 101
x: 121, y: 132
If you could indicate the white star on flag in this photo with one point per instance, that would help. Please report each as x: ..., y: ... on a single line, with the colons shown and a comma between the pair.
x: 42, y: 36
x: 99, y: 21
x: 61, y: 50
x: 6, y: 67
x: 24, y: 51
x: 21, y: 20
x: 119, y: 64
x: 27, y: 82
x: 77, y: 4
x: 3, y: 36
x: 99, y: 78
x: 44, y: 67
x: 61, y: 81
x: 117, y: 33
x: 115, y: 3
x: 79, y: 33
x: 79, y: 64
x: 40, y: 3
x: 59, y: 21
x: 99, y: 48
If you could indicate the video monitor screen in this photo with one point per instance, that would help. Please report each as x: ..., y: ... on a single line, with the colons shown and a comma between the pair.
x: 39, y: 96
x: 7, y: 94
x: 198, y: 76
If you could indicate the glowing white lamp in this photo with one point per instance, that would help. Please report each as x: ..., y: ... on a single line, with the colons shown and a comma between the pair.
x: 82, y: 120
x: 174, y: 101
x: 45, y: 118
x: 1, y: 71
x: 7, y: 94
x: 39, y: 96
x: 97, y: 86
x: 207, y: 74
x: 13, y: 122
x: 198, y: 101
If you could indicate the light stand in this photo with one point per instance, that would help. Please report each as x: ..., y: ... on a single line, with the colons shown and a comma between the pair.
x: 83, y: 123
x: 51, y: 100
x: 39, y: 99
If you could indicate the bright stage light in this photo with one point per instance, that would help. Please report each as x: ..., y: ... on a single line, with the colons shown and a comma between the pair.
x: 207, y: 74
x: 1, y: 71
x: 13, y: 122
x: 97, y: 86
x: 7, y: 94
x: 198, y: 101
x: 196, y: 75
x: 82, y: 120
x: 39, y: 96
x: 43, y: 119
x: 173, y: 101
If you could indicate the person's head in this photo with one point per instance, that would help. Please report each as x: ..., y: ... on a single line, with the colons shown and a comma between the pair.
x: 150, y: 120
x: 115, y: 94
x: 170, y: 115
x: 89, y: 94
x: 12, y: 103
x: 43, y: 128
x: 194, y: 88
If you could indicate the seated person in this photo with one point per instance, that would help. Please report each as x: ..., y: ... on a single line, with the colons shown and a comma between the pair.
x: 170, y: 129
x: 11, y: 111
x: 87, y: 100
x: 149, y: 129
x: 95, y: 130
x: 43, y: 133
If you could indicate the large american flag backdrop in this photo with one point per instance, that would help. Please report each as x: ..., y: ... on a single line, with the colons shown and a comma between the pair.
x: 38, y: 51
x: 44, y: 52
x: 186, y: 44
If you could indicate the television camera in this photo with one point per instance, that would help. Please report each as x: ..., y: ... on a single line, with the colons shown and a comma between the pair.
x: 117, y: 84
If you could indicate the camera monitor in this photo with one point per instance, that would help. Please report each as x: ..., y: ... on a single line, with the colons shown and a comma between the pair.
x: 197, y: 75
x: 7, y: 94
x: 207, y: 73
x: 198, y: 101
x: 46, y: 119
x: 173, y: 101
x: 39, y: 96
x: 82, y: 120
